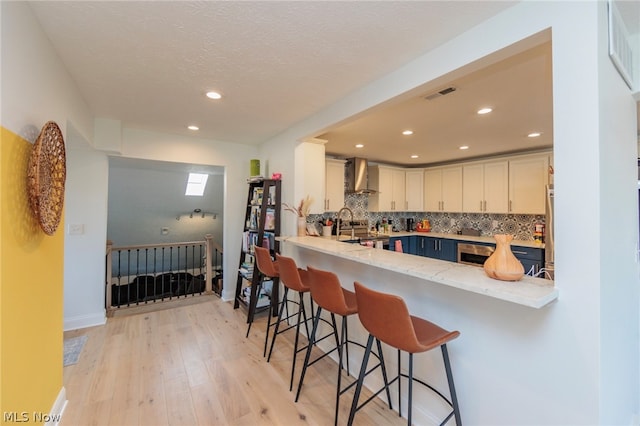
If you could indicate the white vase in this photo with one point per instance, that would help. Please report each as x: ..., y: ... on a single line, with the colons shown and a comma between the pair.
x: 302, y: 226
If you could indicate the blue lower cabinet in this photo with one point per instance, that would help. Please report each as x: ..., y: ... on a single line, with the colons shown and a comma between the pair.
x: 421, y: 245
x: 406, y: 244
x: 531, y: 258
x: 440, y: 248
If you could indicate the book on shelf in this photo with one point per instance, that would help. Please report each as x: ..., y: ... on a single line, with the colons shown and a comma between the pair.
x: 246, y: 269
x: 250, y: 239
x: 263, y: 297
x: 254, y: 217
x: 272, y: 195
x: 256, y: 198
x: 270, y: 219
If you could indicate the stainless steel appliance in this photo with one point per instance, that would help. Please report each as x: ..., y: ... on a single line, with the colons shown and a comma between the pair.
x: 357, y: 175
x: 549, y: 264
x: 474, y: 254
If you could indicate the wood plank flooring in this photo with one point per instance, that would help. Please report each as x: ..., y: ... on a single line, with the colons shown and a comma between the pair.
x: 192, y: 365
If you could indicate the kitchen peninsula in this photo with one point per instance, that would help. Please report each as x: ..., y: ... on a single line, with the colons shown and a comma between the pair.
x: 504, y: 326
x: 531, y: 292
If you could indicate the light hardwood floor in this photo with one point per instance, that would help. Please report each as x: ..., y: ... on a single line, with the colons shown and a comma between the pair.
x: 192, y: 365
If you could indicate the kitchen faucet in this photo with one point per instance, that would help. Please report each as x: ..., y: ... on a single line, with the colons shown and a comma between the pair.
x: 353, y: 235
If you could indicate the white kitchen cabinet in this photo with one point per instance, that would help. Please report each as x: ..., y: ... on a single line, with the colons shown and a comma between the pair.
x: 414, y: 179
x: 528, y: 176
x: 334, y: 185
x: 443, y: 189
x: 390, y: 186
x: 310, y: 175
x: 485, y: 187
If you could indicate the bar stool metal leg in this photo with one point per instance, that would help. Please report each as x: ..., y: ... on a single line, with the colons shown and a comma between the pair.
x: 307, y: 356
x: 452, y: 388
x: 363, y: 370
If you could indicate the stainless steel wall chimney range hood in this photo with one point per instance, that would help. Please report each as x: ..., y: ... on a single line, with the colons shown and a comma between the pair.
x: 357, y: 177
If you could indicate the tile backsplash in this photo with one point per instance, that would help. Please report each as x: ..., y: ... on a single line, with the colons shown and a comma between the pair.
x: 519, y: 225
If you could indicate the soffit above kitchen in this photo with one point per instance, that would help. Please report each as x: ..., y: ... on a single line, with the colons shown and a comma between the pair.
x: 443, y: 116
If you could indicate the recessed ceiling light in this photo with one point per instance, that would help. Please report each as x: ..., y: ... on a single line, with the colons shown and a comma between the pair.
x: 534, y: 134
x: 193, y: 127
x: 407, y: 132
x: 463, y: 147
x: 414, y: 156
x: 484, y: 111
x: 359, y: 145
x: 214, y: 95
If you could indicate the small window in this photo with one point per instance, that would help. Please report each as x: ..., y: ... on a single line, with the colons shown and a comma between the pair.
x: 196, y: 184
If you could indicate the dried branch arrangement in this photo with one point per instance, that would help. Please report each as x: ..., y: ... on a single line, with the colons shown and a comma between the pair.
x: 303, y: 208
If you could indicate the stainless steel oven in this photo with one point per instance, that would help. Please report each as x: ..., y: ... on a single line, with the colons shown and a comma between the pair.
x: 473, y: 254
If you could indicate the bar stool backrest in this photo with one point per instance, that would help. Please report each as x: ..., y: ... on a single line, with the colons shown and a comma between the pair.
x: 326, y: 290
x: 264, y: 262
x: 290, y: 275
x: 387, y: 318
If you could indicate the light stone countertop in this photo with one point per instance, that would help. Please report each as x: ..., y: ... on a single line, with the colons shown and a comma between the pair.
x: 531, y: 292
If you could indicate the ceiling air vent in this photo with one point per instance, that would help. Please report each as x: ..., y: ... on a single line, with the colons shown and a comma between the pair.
x: 439, y: 93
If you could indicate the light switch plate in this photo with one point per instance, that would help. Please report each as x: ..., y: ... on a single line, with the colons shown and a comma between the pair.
x: 75, y: 229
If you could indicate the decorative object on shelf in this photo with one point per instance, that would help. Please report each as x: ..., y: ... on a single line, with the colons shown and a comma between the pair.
x: 198, y: 212
x: 503, y: 264
x: 46, y: 177
x: 254, y: 168
x: 302, y: 211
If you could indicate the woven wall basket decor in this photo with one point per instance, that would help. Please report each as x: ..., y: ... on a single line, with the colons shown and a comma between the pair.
x: 46, y: 177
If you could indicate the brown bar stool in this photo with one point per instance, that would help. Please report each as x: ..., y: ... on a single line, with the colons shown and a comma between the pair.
x: 295, y: 279
x: 268, y: 270
x: 328, y: 294
x: 387, y: 319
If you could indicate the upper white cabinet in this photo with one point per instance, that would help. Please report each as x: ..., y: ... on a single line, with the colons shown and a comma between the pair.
x: 334, y: 185
x: 389, y: 182
x: 414, y: 190
x: 310, y: 176
x: 443, y: 189
x: 485, y: 187
x: 528, y: 176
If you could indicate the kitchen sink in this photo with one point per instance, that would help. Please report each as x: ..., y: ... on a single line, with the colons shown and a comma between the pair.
x: 363, y: 240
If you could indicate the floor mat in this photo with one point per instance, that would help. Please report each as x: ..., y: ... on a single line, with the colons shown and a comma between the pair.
x: 72, y: 349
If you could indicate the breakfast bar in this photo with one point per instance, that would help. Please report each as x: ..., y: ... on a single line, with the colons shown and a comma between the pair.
x: 505, y: 327
x: 531, y: 292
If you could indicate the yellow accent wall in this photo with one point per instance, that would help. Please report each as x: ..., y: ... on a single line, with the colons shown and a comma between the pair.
x: 31, y: 292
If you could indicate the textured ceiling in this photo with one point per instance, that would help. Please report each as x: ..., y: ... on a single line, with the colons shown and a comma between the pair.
x: 149, y: 64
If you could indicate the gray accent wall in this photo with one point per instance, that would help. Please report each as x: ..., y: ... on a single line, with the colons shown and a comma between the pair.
x: 146, y: 196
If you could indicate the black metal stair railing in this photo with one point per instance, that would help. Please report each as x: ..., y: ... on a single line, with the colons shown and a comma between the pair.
x: 144, y: 274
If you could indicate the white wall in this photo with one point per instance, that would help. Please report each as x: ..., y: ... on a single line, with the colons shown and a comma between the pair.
x: 36, y: 88
x: 578, y: 361
x: 86, y: 205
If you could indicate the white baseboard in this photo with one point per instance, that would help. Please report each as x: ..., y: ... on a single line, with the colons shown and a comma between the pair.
x: 58, y: 409
x: 85, y: 321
